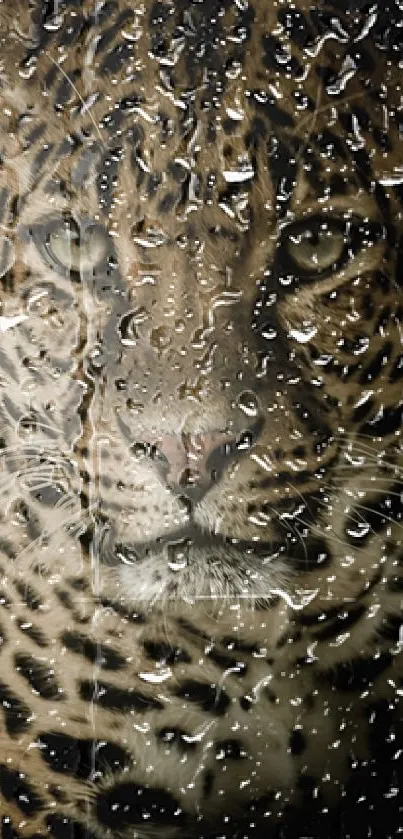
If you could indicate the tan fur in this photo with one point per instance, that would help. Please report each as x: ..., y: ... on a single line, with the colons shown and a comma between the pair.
x: 76, y: 397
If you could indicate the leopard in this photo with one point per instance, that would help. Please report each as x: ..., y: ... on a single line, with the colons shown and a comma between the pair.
x: 201, y: 368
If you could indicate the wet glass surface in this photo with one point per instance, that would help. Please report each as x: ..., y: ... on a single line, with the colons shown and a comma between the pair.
x: 200, y: 419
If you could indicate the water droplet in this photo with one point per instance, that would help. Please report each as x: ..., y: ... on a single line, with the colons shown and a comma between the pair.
x: 361, y: 346
x: 139, y: 315
x: 7, y: 323
x: 348, y: 70
x: 126, y: 554
x: 244, y: 441
x: 248, y: 403
x: 233, y: 69
x: 160, y: 338
x: 180, y: 325
x: 360, y: 530
x: 153, y: 238
x: 304, y: 334
x: 96, y: 359
x: 236, y: 114
x: 28, y: 68
x: 178, y: 555
x: 135, y: 407
x: 128, y: 323
x: 267, y: 331
x: 6, y: 255
x: 156, y: 678
x: 236, y: 176
x: 53, y: 23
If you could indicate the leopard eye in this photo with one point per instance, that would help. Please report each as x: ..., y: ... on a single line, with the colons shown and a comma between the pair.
x: 317, y: 247
x: 74, y: 249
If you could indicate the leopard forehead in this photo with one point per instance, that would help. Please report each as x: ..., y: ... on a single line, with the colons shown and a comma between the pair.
x: 142, y: 93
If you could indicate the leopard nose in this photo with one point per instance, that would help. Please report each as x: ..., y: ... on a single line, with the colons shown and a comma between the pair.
x: 194, y: 463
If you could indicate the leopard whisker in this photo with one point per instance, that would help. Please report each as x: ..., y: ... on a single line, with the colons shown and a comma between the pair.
x: 318, y: 530
x: 17, y: 453
x: 289, y: 524
x: 363, y: 441
x: 363, y: 468
x: 373, y: 488
x: 20, y: 447
x: 70, y: 520
x: 349, y: 491
x: 42, y: 468
x: 33, y: 471
x: 78, y: 94
x: 358, y: 507
x: 328, y: 107
x: 380, y: 514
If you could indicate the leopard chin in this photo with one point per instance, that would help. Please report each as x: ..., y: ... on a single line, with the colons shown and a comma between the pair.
x: 187, y: 573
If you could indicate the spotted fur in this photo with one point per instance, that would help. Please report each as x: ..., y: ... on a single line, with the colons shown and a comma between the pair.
x: 181, y: 655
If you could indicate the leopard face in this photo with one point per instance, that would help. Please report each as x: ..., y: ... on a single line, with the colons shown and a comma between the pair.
x: 201, y: 286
